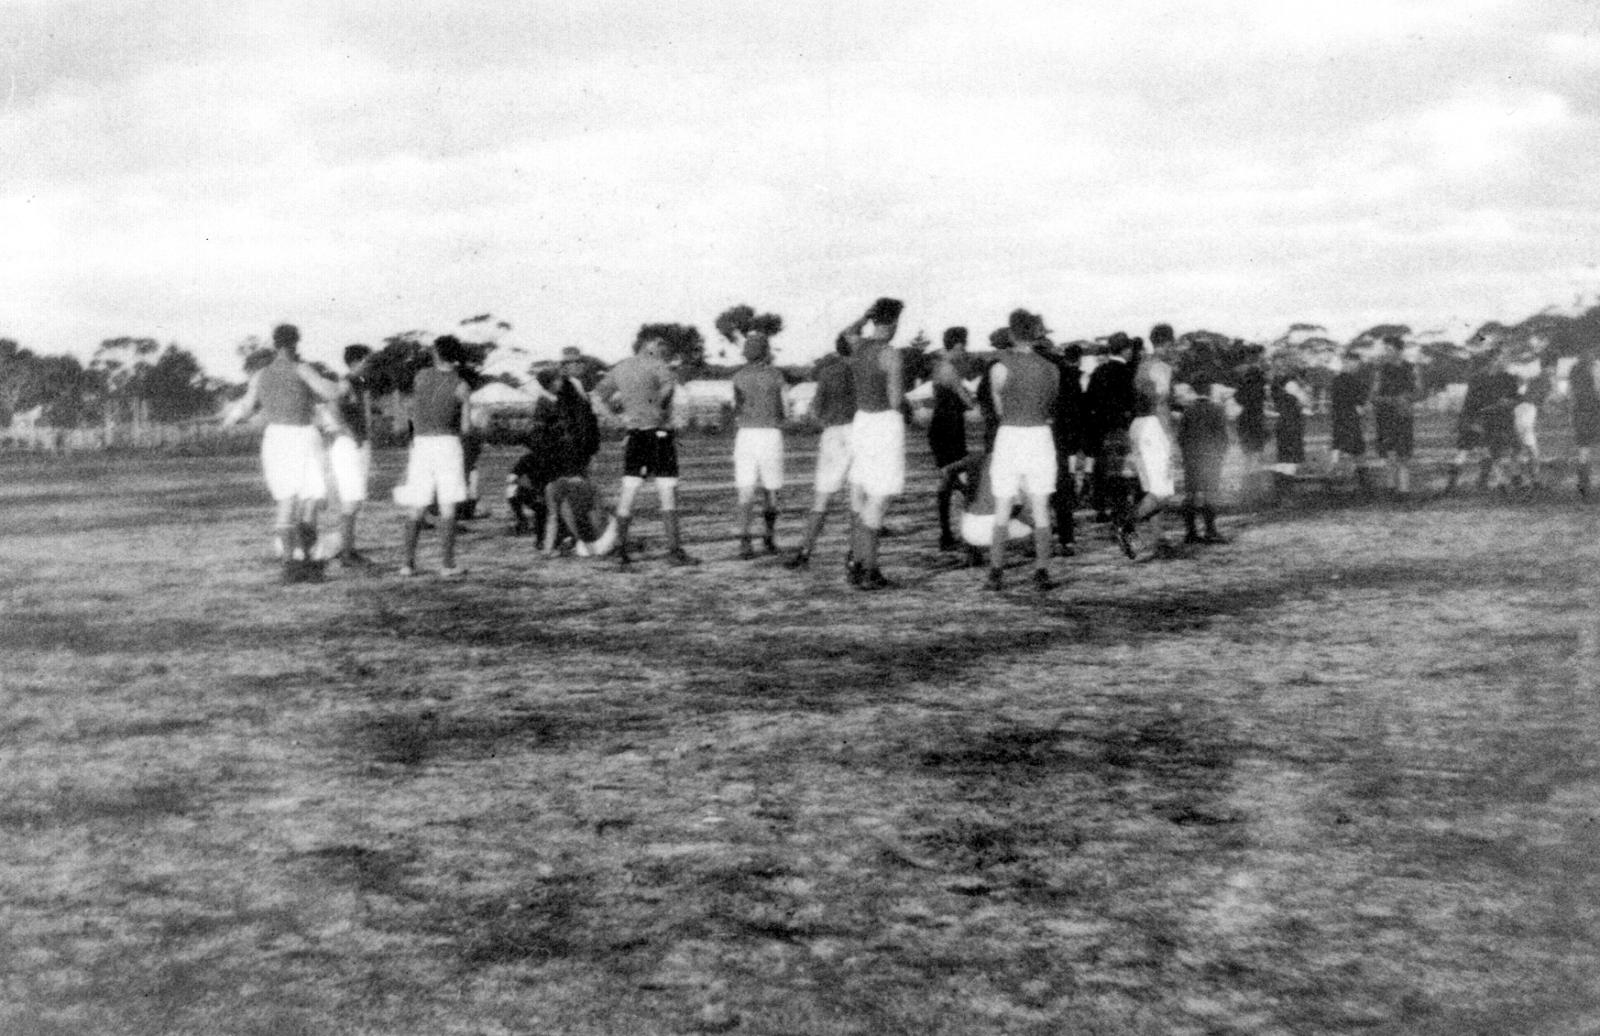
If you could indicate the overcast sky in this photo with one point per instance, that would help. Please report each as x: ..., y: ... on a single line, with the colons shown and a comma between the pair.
x: 196, y: 171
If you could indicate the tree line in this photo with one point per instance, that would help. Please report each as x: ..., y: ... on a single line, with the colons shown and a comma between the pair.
x: 134, y: 380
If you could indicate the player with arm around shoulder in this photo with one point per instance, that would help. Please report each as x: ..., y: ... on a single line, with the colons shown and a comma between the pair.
x: 288, y: 392
x: 877, y: 435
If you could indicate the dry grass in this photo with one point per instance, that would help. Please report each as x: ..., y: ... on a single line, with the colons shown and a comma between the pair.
x: 1339, y: 776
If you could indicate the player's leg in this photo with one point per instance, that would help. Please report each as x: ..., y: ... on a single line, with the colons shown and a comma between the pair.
x: 770, y: 471
x: 667, y: 491
x: 625, y: 497
x: 747, y: 507
x: 874, y: 508
x: 997, y: 543
x: 1039, y: 505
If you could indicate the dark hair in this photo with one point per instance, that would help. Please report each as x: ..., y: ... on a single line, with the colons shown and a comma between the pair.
x: 549, y: 378
x: 885, y: 311
x: 354, y: 354
x: 1160, y: 333
x: 1201, y: 384
x: 1135, y: 348
x: 841, y: 345
x: 1072, y: 352
x: 1000, y: 338
x: 285, y: 336
x: 954, y: 336
x: 449, y: 349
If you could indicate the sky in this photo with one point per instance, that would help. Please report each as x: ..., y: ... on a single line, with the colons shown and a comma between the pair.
x: 196, y: 172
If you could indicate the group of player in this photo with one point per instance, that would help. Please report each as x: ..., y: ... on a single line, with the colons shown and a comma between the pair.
x: 1050, y: 437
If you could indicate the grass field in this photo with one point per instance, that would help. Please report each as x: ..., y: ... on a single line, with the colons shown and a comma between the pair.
x: 1338, y: 776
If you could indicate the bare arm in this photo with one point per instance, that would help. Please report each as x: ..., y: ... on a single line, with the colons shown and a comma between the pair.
x: 852, y: 334
x: 997, y: 380
x: 894, y: 366
x: 464, y: 395
x: 326, y: 389
x: 246, y: 404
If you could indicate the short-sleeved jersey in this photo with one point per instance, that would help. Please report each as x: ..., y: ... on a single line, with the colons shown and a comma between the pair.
x: 435, y: 402
x: 644, y: 384
x: 285, y: 397
x: 1028, y: 393
x: 758, y: 396
x: 835, y: 401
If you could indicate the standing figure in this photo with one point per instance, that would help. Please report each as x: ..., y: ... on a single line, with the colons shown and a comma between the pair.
x: 288, y: 390
x: 1484, y: 429
x: 1150, y: 443
x: 581, y: 427
x: 1290, y: 398
x: 436, y: 470
x: 1584, y: 392
x: 1394, y: 391
x: 1533, y: 388
x: 947, y: 430
x: 1203, y: 441
x: 834, y: 407
x: 1250, y: 394
x: 1347, y: 398
x: 1024, y: 459
x: 640, y: 388
x: 878, y: 435
x: 350, y: 454
x: 1110, y: 401
x: 1066, y: 429
x: 758, y: 444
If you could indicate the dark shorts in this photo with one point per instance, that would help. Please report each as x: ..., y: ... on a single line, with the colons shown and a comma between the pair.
x: 1395, y: 427
x: 948, y: 440
x: 650, y: 453
x: 1348, y: 437
x: 1585, y: 426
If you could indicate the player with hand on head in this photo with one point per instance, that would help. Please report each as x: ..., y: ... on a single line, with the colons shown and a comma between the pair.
x: 877, y: 436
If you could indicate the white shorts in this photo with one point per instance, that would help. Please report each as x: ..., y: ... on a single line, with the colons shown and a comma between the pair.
x: 292, y: 460
x: 878, y: 453
x: 351, y: 463
x: 978, y: 529
x: 1024, y: 462
x: 833, y: 459
x: 1526, y: 418
x: 758, y: 458
x: 1152, y: 456
x: 435, y: 472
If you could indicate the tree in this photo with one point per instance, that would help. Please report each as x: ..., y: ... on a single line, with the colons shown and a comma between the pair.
x: 122, y: 365
x: 175, y: 388
x: 917, y: 361
x: 737, y: 321
x: 684, y: 343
